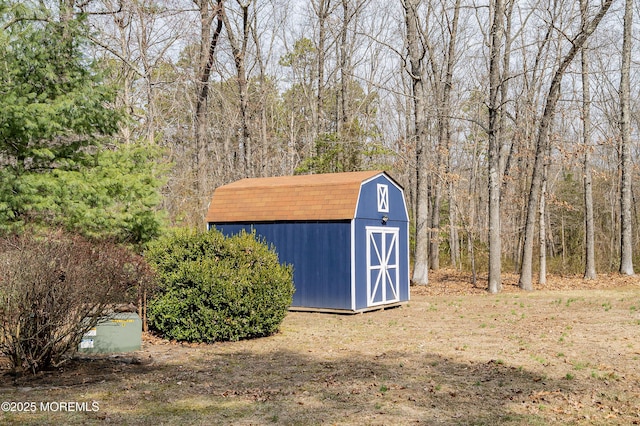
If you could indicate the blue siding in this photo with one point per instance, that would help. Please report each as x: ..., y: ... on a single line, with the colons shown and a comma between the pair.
x: 368, y: 215
x: 320, y: 254
x: 368, y: 205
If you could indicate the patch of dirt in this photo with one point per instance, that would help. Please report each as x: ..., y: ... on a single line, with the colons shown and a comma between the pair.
x: 567, y: 353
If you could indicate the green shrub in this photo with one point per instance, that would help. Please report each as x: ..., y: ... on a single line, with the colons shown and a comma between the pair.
x: 214, y: 288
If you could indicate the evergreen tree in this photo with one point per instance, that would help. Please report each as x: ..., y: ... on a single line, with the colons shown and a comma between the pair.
x: 58, y: 162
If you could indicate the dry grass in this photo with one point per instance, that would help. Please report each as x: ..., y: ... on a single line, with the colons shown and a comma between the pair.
x: 567, y: 354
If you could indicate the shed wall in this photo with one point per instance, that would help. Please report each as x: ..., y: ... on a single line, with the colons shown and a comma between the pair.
x: 369, y: 214
x: 367, y: 207
x: 320, y: 253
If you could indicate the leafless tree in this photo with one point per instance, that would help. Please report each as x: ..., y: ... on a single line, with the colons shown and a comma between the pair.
x: 494, y: 104
x: 590, y: 262
x: 442, y: 81
x: 239, y: 43
x: 209, y: 37
x: 542, y: 140
x: 626, y: 235
x: 416, y: 55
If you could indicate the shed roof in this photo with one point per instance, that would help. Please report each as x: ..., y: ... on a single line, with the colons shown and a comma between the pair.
x: 331, y: 196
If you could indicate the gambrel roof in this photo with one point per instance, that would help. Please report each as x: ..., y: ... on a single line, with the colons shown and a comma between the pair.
x: 332, y: 196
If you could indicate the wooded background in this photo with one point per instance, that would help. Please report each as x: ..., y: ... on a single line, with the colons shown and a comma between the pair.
x: 512, y: 125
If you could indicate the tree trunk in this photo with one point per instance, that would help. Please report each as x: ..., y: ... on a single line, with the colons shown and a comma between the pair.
x: 542, y: 277
x: 473, y: 210
x: 590, y: 261
x: 208, y: 43
x: 626, y: 236
x: 434, y: 229
x: 563, y: 241
x: 443, y: 99
x: 495, y: 243
x: 416, y: 55
x: 506, y: 150
x: 263, y: 164
x: 322, y: 10
x: 454, y: 242
x: 343, y: 116
x: 542, y: 141
x: 239, y: 49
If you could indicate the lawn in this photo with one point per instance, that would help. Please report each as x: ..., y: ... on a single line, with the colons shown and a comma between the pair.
x: 566, y: 354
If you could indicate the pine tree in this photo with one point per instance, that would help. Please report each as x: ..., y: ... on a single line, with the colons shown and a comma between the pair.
x: 58, y: 157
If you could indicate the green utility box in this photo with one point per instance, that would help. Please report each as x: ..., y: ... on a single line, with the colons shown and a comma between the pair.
x: 119, y: 332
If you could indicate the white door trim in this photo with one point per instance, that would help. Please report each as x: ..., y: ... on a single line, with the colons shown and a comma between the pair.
x: 385, y: 287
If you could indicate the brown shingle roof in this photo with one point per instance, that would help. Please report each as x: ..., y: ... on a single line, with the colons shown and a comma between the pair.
x: 331, y: 196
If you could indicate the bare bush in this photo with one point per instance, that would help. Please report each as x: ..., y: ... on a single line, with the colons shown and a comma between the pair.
x: 54, y: 288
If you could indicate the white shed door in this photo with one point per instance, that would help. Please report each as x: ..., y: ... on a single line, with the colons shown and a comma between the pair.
x: 382, y: 265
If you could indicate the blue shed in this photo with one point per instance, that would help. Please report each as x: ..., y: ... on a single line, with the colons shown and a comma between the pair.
x: 346, y: 234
